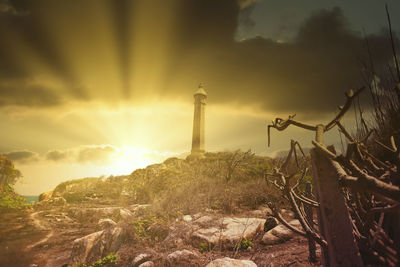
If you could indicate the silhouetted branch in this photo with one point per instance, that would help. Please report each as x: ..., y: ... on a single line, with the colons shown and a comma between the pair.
x: 350, y: 97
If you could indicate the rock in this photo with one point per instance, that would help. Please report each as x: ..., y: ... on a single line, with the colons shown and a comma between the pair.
x: 93, y: 214
x: 270, y: 239
x: 181, y: 258
x: 147, y: 264
x: 139, y: 259
x: 97, y: 245
x: 137, y: 209
x: 227, y: 232
x: 126, y: 215
x: 278, y: 234
x: 204, y: 220
x: 287, y: 213
x: 45, y: 195
x: 261, y: 212
x: 196, y: 216
x: 106, y: 223
x: 228, y: 262
x: 51, y: 203
x: 187, y: 218
x: 270, y: 223
x: 282, y: 232
x: 58, y: 201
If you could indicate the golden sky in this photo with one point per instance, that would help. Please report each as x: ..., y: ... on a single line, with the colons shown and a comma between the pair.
x: 101, y: 87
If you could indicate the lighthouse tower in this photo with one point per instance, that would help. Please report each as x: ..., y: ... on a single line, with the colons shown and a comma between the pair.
x: 198, y: 122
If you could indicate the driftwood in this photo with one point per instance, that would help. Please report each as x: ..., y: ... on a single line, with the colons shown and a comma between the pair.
x: 357, y: 196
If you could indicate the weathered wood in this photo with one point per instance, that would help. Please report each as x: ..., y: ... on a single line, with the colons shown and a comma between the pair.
x: 319, y: 134
x: 312, y: 257
x: 334, y: 217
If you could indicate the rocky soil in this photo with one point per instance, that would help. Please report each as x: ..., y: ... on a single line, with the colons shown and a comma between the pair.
x: 55, y: 233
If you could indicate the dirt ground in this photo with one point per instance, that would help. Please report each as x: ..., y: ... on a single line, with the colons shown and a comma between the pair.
x: 32, y: 238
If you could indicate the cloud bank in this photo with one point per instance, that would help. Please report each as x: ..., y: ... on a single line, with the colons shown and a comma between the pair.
x: 308, y: 74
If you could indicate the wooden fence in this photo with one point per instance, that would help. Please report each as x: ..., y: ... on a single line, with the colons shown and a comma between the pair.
x: 356, y: 197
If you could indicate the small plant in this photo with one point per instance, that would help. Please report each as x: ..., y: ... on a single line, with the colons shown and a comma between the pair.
x: 9, y: 199
x: 141, y: 228
x: 108, y: 261
x: 246, y: 243
x: 204, y: 247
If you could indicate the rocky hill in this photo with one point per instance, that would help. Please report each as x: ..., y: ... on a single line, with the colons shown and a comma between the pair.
x: 184, y: 212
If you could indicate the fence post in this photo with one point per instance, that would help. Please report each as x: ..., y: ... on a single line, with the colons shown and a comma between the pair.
x: 310, y: 217
x: 334, y: 218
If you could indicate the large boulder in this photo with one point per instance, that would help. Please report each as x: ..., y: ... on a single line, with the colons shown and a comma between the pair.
x: 147, y: 264
x: 106, y: 224
x: 93, y: 214
x: 50, y: 203
x: 228, y: 262
x: 228, y: 232
x: 126, y: 215
x: 97, y: 245
x: 45, y: 195
x: 279, y: 234
x: 182, y: 258
x: 139, y: 259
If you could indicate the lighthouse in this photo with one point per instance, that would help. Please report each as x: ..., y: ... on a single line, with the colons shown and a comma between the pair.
x: 200, y: 97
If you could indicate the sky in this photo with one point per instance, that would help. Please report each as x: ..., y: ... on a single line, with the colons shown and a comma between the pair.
x: 102, y: 87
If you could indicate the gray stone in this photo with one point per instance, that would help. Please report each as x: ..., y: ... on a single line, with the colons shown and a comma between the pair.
x: 227, y: 232
x: 204, y: 220
x: 187, y: 218
x: 270, y: 239
x: 106, y: 223
x: 228, y: 262
x: 287, y: 213
x: 181, y: 258
x: 93, y: 214
x: 126, y: 215
x: 96, y: 245
x: 51, y: 203
x: 282, y: 232
x: 45, y: 195
x: 279, y: 233
x: 139, y: 259
x: 147, y: 264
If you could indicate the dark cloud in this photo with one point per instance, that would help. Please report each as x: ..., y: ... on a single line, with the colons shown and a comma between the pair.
x: 246, y: 8
x: 56, y: 155
x: 83, y: 154
x: 11, y: 9
x: 309, y: 73
x: 26, y: 94
x: 98, y: 154
x: 23, y: 156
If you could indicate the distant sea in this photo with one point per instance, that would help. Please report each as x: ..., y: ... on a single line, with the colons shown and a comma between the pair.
x: 31, y: 199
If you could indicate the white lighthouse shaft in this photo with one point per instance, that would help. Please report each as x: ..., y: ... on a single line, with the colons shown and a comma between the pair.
x: 198, y: 121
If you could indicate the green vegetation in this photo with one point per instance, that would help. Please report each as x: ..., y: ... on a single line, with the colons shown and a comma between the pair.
x: 8, y: 177
x: 223, y: 181
x: 108, y: 261
x: 149, y: 228
x: 9, y: 199
x: 246, y: 243
x: 204, y: 247
x: 141, y: 226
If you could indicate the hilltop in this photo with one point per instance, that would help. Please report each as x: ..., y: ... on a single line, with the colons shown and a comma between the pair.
x: 182, y: 212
